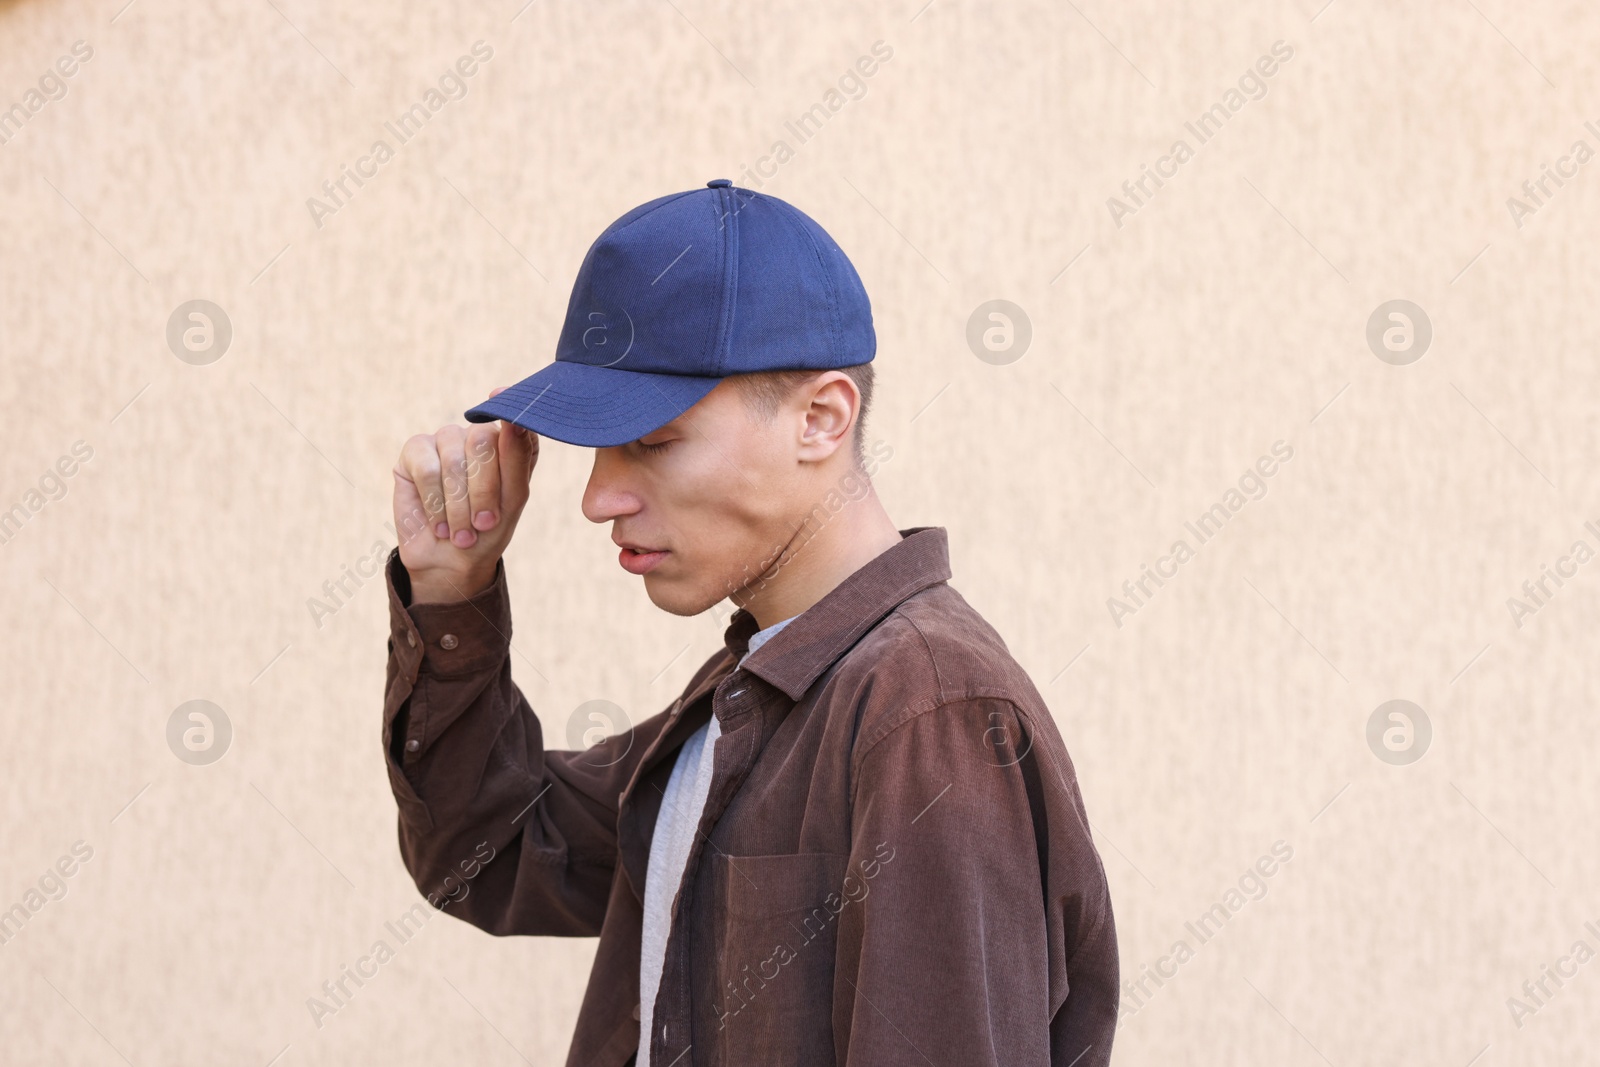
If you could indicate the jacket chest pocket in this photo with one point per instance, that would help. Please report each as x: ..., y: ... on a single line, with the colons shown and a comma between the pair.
x: 775, y: 972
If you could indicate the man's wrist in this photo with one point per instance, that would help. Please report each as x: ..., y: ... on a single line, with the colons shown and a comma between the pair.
x: 438, y: 587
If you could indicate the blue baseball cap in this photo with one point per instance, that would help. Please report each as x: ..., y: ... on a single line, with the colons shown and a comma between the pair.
x: 680, y: 293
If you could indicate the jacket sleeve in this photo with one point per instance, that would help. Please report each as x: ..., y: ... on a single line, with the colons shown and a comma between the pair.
x: 979, y: 930
x: 494, y: 828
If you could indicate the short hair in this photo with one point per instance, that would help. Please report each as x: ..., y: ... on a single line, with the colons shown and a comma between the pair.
x: 765, y: 391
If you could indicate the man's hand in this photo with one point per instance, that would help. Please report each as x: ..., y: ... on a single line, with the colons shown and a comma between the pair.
x: 458, y: 493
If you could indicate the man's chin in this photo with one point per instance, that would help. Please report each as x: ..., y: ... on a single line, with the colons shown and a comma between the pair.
x: 674, y: 600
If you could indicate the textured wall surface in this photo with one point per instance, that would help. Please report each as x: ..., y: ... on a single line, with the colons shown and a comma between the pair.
x: 1162, y: 341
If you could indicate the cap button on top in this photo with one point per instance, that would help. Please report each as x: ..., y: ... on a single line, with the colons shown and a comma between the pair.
x: 718, y: 183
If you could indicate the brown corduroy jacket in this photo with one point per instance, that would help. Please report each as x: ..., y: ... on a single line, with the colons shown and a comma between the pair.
x: 894, y: 864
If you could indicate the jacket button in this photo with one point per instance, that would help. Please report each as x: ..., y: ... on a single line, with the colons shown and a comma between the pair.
x: 413, y: 744
x: 448, y: 641
x: 636, y: 1008
x: 411, y: 638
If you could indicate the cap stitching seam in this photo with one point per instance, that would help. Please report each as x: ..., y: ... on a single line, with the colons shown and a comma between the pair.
x: 730, y: 283
x: 714, y: 322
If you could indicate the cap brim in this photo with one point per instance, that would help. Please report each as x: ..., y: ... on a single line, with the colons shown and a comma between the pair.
x: 595, y: 407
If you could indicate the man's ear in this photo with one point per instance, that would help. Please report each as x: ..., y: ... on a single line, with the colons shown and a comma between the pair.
x: 830, y: 415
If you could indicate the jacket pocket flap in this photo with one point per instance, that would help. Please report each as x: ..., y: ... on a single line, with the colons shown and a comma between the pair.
x: 763, y: 886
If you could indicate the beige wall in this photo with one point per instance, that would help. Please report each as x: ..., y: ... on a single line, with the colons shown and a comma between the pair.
x: 1227, y: 313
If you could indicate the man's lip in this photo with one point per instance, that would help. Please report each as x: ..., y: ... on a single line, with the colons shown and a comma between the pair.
x: 640, y: 562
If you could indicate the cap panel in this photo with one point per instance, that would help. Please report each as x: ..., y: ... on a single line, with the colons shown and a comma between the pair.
x: 784, y: 295
x: 858, y: 340
x: 644, y: 296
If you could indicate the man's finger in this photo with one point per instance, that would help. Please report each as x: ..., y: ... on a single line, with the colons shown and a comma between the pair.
x: 452, y: 445
x: 410, y: 518
x: 420, y: 459
x: 483, y: 476
x: 519, y: 451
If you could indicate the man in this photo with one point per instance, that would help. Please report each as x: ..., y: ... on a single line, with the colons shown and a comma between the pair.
x: 857, y: 837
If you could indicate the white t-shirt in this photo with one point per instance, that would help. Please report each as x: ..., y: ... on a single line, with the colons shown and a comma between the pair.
x: 681, y: 807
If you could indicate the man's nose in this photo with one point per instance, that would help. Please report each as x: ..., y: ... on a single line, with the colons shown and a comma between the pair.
x: 607, y: 496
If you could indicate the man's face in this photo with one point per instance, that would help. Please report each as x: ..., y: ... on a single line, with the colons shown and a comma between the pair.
x: 720, y: 494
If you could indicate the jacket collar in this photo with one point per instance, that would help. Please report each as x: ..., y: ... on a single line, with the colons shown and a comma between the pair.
x: 797, y: 655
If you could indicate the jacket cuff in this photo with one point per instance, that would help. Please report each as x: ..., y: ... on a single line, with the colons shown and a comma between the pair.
x: 447, y: 639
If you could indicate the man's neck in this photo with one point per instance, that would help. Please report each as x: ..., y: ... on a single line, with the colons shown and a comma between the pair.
x: 818, y: 559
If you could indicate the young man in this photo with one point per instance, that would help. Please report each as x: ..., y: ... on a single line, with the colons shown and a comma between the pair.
x: 857, y: 837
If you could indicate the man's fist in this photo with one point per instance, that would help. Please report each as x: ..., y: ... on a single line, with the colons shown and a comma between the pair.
x: 458, y: 493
